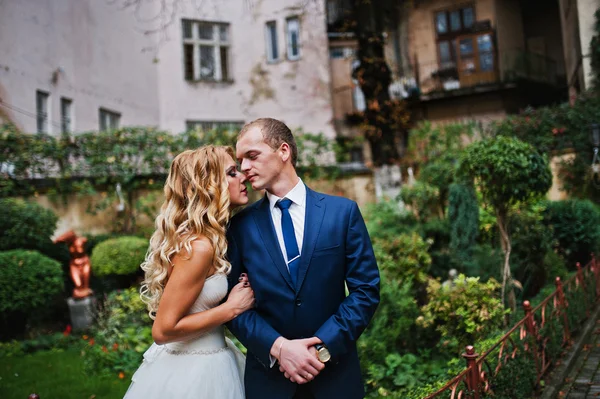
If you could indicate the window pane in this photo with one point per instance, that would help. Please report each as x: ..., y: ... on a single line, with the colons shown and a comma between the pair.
x: 272, y: 45
x: 102, y: 117
x: 294, y: 43
x: 224, y: 63
x: 187, y: 29
x: 445, y: 54
x: 41, y: 100
x: 188, y: 61
x: 468, y: 17
x: 205, y: 31
x: 293, y: 32
x: 336, y: 52
x: 114, y: 121
x: 484, y: 43
x: 441, y: 23
x: 486, y: 62
x: 223, y: 33
x: 466, y: 47
x: 207, y: 62
x: 65, y: 115
x: 455, y: 21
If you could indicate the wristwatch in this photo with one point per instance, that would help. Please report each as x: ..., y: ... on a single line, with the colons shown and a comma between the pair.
x: 322, y: 353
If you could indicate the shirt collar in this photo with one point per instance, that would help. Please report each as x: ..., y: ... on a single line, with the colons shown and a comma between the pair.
x: 297, y: 195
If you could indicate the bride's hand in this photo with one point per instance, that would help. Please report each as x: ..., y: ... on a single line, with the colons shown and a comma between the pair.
x: 241, y: 297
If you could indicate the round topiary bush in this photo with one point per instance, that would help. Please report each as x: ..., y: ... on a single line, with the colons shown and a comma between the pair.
x: 119, y: 256
x: 30, y: 282
x: 26, y: 225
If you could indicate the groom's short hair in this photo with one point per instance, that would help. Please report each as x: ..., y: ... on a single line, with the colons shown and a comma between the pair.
x: 275, y: 133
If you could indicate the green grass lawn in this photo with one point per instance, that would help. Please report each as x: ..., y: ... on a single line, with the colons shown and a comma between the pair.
x: 55, y: 375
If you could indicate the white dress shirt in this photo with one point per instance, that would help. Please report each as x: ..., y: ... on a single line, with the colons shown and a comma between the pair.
x: 297, y: 211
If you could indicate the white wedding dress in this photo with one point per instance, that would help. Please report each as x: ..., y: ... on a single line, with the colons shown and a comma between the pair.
x: 206, y: 367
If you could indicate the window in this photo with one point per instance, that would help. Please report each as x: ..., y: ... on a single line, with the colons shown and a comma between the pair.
x: 66, y: 115
x: 206, y: 50
x: 109, y: 119
x: 232, y: 126
x: 449, y: 25
x: 340, y: 52
x: 337, y: 10
x: 293, y: 38
x: 41, y: 108
x: 271, y: 37
x: 453, y: 21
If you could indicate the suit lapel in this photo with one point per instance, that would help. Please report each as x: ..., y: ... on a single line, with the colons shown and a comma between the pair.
x: 315, y: 210
x: 264, y: 222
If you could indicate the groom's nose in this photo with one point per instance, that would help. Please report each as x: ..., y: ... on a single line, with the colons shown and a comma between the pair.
x: 245, y: 165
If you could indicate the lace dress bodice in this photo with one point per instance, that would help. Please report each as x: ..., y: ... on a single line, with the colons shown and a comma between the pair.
x: 213, y: 292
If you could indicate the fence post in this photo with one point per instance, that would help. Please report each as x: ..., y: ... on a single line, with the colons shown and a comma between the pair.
x: 562, y: 307
x: 531, y: 327
x: 473, y: 381
x: 596, y: 271
x: 580, y: 278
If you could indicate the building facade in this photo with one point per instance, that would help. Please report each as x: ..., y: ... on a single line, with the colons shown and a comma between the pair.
x: 84, y: 65
x: 577, y: 19
x: 483, y: 59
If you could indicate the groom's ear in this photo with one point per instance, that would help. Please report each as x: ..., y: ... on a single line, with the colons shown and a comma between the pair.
x: 285, y: 152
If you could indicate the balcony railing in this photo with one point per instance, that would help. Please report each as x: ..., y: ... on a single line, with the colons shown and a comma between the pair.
x: 540, y: 336
x: 484, y: 70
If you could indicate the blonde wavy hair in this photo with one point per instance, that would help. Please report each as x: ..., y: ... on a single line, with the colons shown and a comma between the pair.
x: 196, y: 203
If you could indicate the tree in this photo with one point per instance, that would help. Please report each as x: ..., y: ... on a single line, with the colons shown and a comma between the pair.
x: 508, y: 172
x: 436, y: 150
x: 385, y: 121
x: 463, y: 213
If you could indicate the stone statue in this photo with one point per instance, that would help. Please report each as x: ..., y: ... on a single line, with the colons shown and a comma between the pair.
x: 79, y: 266
x: 452, y: 274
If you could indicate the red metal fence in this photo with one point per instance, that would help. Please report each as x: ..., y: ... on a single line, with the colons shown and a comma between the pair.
x: 542, y: 334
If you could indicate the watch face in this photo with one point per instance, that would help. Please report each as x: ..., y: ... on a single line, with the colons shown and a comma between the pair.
x: 324, y: 355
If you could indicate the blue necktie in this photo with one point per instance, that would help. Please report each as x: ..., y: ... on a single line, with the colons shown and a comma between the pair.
x: 289, y: 238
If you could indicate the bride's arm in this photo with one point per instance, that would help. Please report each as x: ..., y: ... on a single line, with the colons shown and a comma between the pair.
x: 185, y: 283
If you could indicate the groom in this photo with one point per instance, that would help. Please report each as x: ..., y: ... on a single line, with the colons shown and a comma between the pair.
x: 300, y: 250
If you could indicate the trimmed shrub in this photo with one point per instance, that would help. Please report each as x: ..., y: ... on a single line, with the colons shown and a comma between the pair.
x: 404, y: 258
x: 576, y: 225
x: 464, y: 311
x: 463, y: 215
x: 119, y: 256
x: 31, y: 282
x: 26, y: 225
x: 386, y: 220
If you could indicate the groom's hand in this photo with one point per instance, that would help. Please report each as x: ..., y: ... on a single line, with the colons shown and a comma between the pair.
x: 297, y: 359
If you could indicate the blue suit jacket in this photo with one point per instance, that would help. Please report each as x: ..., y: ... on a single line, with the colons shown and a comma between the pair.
x: 336, y: 253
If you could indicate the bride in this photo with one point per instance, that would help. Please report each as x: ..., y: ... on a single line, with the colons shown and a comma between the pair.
x: 186, y: 281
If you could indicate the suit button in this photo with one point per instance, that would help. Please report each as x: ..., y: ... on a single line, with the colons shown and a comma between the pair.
x: 298, y: 302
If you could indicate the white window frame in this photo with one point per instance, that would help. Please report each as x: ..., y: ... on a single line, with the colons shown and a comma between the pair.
x: 272, y: 41
x: 290, y: 29
x: 108, y: 119
x: 66, y: 115
x: 42, y: 109
x: 216, y: 43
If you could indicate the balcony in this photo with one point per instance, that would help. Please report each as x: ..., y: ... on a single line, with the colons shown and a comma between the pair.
x: 482, y: 72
